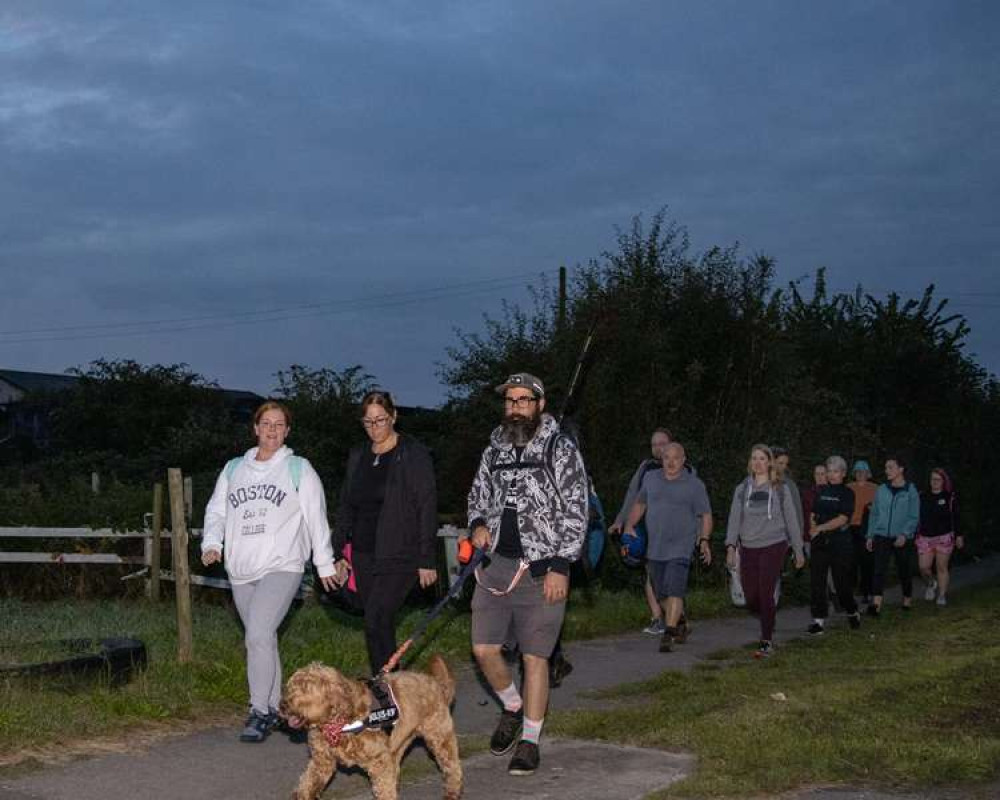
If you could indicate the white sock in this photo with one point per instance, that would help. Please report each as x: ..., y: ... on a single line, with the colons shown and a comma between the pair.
x: 511, y: 698
x: 531, y: 730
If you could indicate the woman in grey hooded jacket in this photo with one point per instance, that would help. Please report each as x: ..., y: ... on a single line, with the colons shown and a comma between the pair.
x: 763, y: 523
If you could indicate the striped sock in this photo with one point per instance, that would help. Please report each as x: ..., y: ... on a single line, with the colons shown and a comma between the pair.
x: 510, y: 698
x: 532, y: 730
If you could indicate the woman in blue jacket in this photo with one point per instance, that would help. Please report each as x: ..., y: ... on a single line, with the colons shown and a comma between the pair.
x: 895, y: 516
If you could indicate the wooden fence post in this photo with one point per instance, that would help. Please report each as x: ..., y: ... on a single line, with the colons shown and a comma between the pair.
x: 182, y: 575
x: 154, y: 553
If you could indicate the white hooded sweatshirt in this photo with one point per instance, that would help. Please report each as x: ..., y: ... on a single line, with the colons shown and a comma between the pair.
x: 262, y: 524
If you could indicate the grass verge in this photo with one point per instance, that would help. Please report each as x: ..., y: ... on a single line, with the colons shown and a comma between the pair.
x: 908, y: 701
x: 171, y: 695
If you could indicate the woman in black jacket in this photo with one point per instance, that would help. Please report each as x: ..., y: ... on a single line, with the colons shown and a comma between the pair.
x: 388, y: 514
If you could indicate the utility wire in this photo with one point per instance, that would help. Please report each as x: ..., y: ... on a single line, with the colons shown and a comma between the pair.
x: 219, y: 322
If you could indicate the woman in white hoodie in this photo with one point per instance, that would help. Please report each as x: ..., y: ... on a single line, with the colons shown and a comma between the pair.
x: 266, y: 515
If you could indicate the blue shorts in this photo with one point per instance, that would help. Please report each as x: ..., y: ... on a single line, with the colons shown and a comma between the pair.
x: 669, y: 578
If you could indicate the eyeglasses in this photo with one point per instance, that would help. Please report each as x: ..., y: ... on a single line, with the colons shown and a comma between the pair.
x: 272, y: 426
x: 377, y: 422
x: 520, y: 402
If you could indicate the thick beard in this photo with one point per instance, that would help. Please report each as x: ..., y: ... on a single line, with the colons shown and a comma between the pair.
x: 518, y: 430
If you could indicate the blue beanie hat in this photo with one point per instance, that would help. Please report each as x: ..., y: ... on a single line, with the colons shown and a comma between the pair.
x: 861, y: 464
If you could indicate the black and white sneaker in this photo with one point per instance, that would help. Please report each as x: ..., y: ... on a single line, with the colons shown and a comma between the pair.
x: 258, y: 726
x: 525, y: 760
x: 764, y: 650
x: 507, y: 732
x: 854, y: 620
x: 815, y: 629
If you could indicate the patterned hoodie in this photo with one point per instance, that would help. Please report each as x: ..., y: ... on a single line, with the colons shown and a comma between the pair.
x: 551, y: 503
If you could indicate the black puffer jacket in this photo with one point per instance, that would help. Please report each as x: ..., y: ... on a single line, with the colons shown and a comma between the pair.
x: 406, y: 536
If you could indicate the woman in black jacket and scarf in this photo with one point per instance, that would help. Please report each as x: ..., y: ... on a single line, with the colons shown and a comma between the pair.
x: 388, y: 514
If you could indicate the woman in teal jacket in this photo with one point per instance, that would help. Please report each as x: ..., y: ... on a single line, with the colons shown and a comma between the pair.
x: 893, y: 523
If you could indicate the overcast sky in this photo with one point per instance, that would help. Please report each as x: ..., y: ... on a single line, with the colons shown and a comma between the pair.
x: 392, y: 170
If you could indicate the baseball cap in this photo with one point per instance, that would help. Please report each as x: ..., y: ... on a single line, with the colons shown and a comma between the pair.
x: 522, y: 380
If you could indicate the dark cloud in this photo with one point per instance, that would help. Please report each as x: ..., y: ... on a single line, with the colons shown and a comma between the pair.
x: 173, y: 160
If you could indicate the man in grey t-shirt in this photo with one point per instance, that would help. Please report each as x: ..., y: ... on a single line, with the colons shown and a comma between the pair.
x: 678, y: 515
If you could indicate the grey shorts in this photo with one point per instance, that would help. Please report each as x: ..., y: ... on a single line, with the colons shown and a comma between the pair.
x: 669, y: 578
x: 523, y: 615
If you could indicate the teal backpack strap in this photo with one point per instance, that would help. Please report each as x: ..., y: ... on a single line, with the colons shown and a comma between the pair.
x: 231, y: 466
x: 295, y: 470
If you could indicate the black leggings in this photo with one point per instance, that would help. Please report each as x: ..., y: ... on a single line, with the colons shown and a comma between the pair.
x: 834, y: 552
x: 863, y: 560
x: 381, y: 596
x: 884, y: 547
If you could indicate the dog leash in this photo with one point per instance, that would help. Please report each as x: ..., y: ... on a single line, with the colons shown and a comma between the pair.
x: 453, y: 592
x: 385, y: 714
x: 522, y: 567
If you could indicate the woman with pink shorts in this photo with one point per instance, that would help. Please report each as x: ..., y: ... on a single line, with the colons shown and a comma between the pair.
x: 937, y: 535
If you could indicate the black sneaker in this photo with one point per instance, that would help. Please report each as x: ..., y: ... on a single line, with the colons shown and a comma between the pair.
x: 667, y: 640
x: 507, y: 733
x: 764, y: 650
x: 815, y: 629
x: 872, y: 611
x: 559, y: 668
x: 854, y: 620
x: 525, y: 760
x: 683, y: 631
x: 258, y: 726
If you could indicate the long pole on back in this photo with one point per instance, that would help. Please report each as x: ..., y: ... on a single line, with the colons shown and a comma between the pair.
x: 574, y: 382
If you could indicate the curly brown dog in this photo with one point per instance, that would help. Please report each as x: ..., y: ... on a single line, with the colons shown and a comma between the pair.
x: 317, y: 695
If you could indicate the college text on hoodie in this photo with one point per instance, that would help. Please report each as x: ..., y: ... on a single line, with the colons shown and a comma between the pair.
x: 406, y: 532
x: 551, y: 503
x: 261, y: 523
x: 895, y: 512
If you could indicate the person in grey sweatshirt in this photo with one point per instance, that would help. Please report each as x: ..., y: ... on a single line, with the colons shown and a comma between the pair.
x: 763, y: 523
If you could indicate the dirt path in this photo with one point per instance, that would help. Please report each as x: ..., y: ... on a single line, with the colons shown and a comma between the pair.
x: 212, y: 765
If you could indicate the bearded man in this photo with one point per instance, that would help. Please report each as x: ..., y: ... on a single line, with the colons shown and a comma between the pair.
x: 528, y: 507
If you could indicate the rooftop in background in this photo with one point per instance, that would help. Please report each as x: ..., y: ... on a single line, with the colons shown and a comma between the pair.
x: 49, y: 382
x: 37, y: 381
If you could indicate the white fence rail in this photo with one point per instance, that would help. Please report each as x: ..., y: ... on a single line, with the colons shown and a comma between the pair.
x: 449, y: 534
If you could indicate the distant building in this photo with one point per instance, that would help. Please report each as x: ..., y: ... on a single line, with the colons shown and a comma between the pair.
x: 23, y: 420
x: 26, y: 420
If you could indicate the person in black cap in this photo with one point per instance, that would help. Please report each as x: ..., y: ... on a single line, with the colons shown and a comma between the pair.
x: 528, y: 507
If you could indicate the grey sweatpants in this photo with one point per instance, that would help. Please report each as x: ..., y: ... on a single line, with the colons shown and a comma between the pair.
x: 263, y: 604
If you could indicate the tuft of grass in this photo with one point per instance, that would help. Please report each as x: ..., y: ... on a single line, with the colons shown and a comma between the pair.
x: 907, y: 701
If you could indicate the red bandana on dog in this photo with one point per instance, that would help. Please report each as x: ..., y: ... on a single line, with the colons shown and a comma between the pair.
x: 333, y: 731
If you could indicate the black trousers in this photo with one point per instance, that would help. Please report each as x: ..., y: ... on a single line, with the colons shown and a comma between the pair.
x: 884, y: 549
x: 381, y: 596
x: 832, y: 552
x: 864, y: 562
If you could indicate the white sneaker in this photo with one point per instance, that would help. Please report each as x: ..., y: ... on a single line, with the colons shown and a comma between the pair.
x: 942, y: 601
x: 931, y: 589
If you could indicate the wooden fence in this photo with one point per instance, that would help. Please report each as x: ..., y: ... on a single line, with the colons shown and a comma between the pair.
x: 149, y: 560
